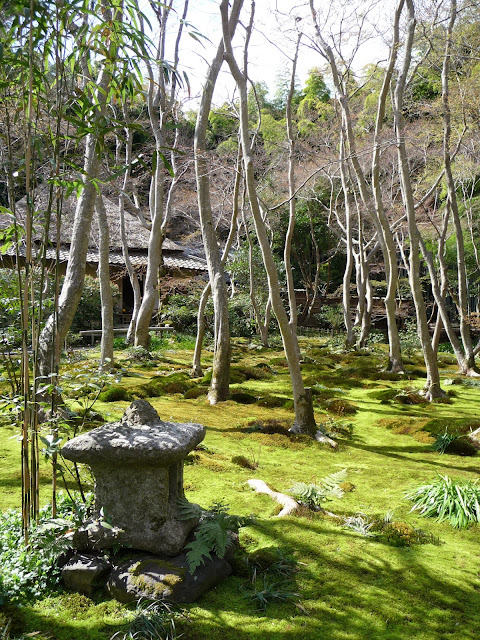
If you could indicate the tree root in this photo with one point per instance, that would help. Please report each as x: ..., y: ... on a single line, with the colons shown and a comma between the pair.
x: 290, y: 506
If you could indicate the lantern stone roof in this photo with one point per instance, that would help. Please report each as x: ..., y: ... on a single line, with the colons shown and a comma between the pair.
x: 140, y: 437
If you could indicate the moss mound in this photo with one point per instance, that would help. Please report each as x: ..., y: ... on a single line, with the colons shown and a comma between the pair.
x: 115, y: 393
x: 242, y: 397
x: 340, y: 407
x: 268, y: 426
x: 383, y: 396
x: 410, y: 397
x: 271, y: 401
x: 195, y: 392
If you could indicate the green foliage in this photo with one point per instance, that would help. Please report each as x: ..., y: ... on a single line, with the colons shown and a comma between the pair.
x: 314, y: 96
x: 223, y: 124
x: 409, y: 340
x: 314, y: 495
x: 396, y: 534
x: 89, y: 311
x: 272, y: 573
x: 84, y: 382
x: 332, y: 316
x: 453, y: 501
x: 214, y: 534
x: 119, y: 344
x: 181, y: 312
x: 30, y: 570
x: 263, y: 591
x: 153, y: 621
x: 273, y: 133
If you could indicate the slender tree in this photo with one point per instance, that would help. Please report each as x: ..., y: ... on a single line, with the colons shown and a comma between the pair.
x: 219, y: 386
x: 304, y: 416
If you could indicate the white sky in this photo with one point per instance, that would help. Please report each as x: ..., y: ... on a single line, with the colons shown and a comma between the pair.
x: 272, y: 42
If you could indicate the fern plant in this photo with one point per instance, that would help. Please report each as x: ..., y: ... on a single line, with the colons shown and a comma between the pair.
x: 454, y: 501
x: 314, y: 495
x: 214, y: 534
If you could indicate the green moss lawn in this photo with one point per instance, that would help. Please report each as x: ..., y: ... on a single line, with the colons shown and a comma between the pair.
x: 347, y: 586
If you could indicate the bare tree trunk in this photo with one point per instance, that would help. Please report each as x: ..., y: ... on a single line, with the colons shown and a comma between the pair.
x: 347, y: 275
x: 161, y: 102
x: 196, y: 364
x: 443, y: 321
x: 292, y: 301
x: 373, y: 204
x: 137, y: 296
x: 58, y: 324
x: 106, y: 347
x: 432, y: 389
x: 219, y: 387
x: 462, y: 305
x: 73, y: 284
x: 262, y: 325
x: 302, y: 397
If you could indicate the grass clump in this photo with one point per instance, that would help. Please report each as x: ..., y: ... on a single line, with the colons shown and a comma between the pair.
x: 243, y: 461
x: 269, y: 426
x: 454, y: 501
x: 153, y: 620
x: 454, y: 443
x: 195, y: 392
x: 271, y: 575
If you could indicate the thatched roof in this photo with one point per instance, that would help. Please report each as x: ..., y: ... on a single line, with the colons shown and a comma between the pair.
x: 137, y: 235
x: 174, y: 255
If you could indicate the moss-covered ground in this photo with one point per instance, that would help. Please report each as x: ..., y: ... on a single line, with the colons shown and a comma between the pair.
x: 347, y: 586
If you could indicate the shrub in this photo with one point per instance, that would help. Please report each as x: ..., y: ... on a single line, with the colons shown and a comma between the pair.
x: 181, y: 312
x: 89, y: 310
x: 119, y: 343
x: 409, y: 340
x: 454, y: 501
x: 31, y: 571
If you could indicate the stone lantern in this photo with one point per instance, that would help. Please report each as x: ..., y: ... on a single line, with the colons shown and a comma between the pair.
x: 138, y: 468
